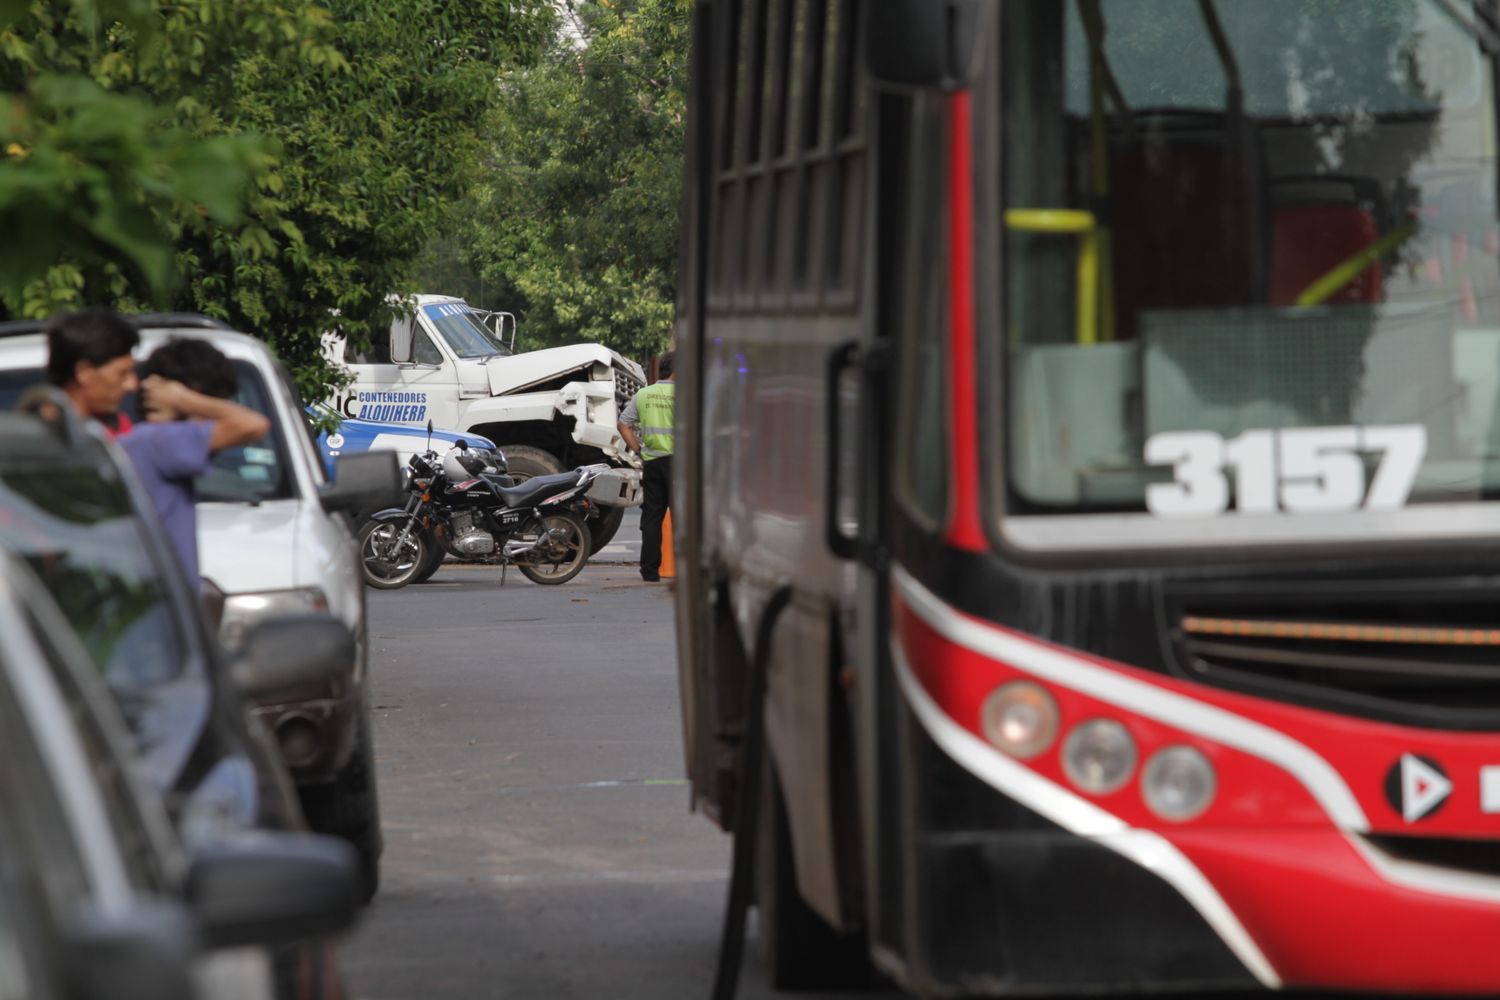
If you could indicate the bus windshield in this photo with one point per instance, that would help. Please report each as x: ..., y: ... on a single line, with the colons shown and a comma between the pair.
x: 1251, y: 254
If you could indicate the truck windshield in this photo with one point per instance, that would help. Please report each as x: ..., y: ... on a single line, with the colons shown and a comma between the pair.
x: 1251, y: 255
x: 462, y: 331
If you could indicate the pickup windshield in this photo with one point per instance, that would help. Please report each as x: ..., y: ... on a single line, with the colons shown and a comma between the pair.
x: 462, y: 330
x: 1251, y: 257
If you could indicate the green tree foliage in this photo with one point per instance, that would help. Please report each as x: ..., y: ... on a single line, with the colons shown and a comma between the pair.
x: 575, y: 226
x: 275, y: 163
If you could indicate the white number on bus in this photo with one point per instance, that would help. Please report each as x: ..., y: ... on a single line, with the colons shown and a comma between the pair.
x: 1301, y: 470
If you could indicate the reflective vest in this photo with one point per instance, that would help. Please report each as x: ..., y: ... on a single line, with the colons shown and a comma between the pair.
x: 655, y: 405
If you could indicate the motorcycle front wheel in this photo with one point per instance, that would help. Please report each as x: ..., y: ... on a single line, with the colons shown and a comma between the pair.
x: 387, y: 562
x: 562, y: 555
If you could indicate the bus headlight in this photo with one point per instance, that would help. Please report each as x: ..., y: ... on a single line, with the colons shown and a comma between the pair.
x: 1099, y: 756
x: 1020, y: 718
x: 1178, y: 783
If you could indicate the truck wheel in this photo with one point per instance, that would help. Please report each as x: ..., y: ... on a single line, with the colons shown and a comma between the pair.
x: 604, y: 524
x: 349, y: 807
x: 797, y: 947
x: 524, y: 461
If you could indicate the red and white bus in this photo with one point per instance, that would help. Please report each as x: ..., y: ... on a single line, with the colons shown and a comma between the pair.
x: 1108, y: 388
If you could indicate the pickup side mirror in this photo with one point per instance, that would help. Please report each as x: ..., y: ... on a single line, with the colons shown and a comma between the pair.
x: 370, y: 479
x: 403, y: 340
x: 144, y: 953
x: 273, y: 889
x: 286, y: 654
x: 923, y: 44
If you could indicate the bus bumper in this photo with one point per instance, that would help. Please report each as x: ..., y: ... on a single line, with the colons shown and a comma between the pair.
x: 1305, y: 871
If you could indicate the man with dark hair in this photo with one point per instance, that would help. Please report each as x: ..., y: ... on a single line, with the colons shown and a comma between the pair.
x: 650, y: 414
x: 88, y: 357
x: 189, y: 417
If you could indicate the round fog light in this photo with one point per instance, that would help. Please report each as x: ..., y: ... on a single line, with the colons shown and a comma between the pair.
x: 1020, y: 718
x: 1099, y: 756
x: 1179, y: 783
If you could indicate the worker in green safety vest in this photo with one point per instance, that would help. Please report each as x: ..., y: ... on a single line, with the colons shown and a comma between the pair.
x: 646, y: 426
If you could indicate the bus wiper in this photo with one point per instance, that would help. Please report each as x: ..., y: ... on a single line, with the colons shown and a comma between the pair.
x: 1484, y: 26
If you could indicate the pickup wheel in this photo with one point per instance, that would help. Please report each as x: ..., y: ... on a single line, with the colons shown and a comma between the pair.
x: 349, y: 807
x: 797, y: 947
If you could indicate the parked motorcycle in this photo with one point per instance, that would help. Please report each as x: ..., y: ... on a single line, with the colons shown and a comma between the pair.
x: 465, y: 503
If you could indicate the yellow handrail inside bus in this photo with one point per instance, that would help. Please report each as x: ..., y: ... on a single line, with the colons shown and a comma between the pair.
x: 1324, y: 288
x: 1070, y: 222
x: 1050, y: 220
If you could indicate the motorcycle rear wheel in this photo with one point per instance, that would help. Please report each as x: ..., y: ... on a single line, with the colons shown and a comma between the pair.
x: 559, y: 560
x: 384, y: 569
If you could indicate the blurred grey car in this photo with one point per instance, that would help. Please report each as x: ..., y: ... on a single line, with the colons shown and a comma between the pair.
x: 98, y: 898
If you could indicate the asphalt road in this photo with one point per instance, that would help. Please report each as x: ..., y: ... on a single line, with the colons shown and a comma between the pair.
x: 538, y: 839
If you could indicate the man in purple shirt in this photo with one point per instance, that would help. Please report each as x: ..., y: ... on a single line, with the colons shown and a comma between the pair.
x: 185, y: 385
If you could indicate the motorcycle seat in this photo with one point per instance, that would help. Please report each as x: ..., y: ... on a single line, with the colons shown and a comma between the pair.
x: 535, y: 488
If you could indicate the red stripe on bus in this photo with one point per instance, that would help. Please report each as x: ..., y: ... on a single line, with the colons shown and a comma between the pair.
x: 965, y: 530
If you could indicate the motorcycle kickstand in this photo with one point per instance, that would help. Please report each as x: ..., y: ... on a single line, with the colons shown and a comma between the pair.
x: 503, y: 567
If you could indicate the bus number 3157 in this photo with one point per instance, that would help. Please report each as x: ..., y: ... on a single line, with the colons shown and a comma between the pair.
x: 1301, y: 470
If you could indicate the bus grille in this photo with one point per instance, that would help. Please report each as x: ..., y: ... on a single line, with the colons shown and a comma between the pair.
x: 1425, y: 659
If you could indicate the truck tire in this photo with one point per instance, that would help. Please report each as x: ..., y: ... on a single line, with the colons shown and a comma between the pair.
x: 602, y: 526
x: 525, y: 461
x: 797, y: 947
x: 349, y: 807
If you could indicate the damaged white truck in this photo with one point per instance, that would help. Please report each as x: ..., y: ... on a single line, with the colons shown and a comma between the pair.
x: 548, y: 410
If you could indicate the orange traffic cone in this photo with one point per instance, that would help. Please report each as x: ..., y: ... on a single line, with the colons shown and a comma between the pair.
x: 668, y: 561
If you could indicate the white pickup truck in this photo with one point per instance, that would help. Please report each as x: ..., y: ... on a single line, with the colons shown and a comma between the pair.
x: 548, y: 410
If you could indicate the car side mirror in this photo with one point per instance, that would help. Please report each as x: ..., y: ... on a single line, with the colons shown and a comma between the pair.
x: 143, y: 953
x: 273, y: 889
x: 286, y: 654
x: 369, y: 479
x: 923, y: 44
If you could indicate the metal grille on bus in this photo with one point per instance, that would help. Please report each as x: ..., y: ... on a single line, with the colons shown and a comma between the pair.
x: 1421, y: 657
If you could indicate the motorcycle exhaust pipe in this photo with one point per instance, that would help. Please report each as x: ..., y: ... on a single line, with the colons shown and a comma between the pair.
x: 521, y: 548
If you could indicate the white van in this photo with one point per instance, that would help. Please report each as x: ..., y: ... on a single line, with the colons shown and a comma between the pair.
x: 273, y: 540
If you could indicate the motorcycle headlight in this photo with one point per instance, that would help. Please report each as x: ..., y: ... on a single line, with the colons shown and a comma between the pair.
x: 223, y: 803
x: 241, y: 611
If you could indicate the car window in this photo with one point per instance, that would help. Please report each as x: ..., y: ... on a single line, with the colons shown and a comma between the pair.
x: 78, y: 532
x: 103, y: 755
x: 254, y: 472
x: 15, y: 382
x: 43, y: 835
